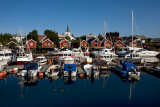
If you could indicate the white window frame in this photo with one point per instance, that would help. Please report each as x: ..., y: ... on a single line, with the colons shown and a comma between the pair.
x: 31, y: 44
x: 49, y: 44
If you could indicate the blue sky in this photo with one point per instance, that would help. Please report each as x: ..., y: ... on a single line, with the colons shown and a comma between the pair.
x: 82, y: 16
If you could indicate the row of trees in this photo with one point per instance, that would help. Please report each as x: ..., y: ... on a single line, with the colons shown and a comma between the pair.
x: 6, y: 38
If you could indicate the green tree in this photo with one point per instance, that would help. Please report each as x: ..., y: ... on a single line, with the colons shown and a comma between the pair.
x: 100, y: 36
x: 77, y: 40
x: 5, y: 38
x: 72, y: 35
x: 149, y: 40
x: 83, y: 37
x: 52, y: 35
x: 33, y: 35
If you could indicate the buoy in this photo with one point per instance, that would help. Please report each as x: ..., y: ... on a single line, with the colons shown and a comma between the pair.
x: 81, y: 75
x: 99, y: 58
x: 13, y: 70
x: 41, y: 75
x: 74, y: 62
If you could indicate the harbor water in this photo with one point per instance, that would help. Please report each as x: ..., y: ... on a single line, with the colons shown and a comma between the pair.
x: 106, y: 90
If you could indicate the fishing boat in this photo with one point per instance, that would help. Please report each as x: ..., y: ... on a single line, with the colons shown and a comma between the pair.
x: 23, y: 57
x: 126, y: 69
x: 86, y: 59
x: 30, y: 69
x: 66, y: 57
x: 90, y: 70
x: 41, y: 60
x: 53, y: 70
x: 103, y: 59
x: 70, y: 70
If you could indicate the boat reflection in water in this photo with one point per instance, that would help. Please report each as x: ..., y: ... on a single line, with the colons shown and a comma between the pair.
x: 70, y: 80
x: 28, y: 81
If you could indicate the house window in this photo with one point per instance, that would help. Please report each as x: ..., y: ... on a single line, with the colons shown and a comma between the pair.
x: 120, y: 44
x: 64, y: 44
x: 45, y: 44
x: 117, y: 44
x: 108, y: 44
x: 82, y: 44
x: 31, y: 44
x: 49, y: 44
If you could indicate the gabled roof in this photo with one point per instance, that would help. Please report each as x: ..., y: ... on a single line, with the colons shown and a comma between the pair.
x: 31, y: 40
x: 48, y: 40
x: 90, y: 40
x: 64, y: 40
x: 12, y: 42
x: 101, y: 39
x: 41, y: 38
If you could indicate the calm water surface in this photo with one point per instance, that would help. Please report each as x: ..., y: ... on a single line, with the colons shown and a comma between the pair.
x: 103, y: 91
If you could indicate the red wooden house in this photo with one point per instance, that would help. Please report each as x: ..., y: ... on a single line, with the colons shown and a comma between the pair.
x: 31, y: 43
x: 84, y: 44
x: 118, y: 44
x: 64, y: 43
x: 94, y: 43
x: 47, y: 43
x: 134, y: 44
x: 108, y: 44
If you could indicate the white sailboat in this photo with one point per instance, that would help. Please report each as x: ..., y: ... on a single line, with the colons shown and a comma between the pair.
x: 133, y: 57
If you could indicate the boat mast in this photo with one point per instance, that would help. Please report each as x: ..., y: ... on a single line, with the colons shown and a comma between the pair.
x: 104, y: 34
x: 132, y: 28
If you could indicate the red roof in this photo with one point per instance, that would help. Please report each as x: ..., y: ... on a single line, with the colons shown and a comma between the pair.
x: 40, y: 37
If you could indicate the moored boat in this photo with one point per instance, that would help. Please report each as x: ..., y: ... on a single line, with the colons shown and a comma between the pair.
x: 126, y: 69
x: 70, y: 70
x: 41, y: 60
x: 90, y: 70
x: 53, y: 70
x: 30, y: 69
x: 86, y: 59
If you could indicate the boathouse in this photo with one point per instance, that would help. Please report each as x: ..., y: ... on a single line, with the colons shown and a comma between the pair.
x: 31, y: 43
x: 118, y: 44
x: 84, y: 44
x: 47, y: 43
x: 94, y: 43
x: 64, y: 43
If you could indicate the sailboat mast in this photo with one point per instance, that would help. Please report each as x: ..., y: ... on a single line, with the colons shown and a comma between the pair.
x: 104, y: 34
x: 132, y: 28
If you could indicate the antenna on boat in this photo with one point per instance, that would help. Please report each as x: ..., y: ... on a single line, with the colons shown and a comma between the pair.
x: 132, y: 26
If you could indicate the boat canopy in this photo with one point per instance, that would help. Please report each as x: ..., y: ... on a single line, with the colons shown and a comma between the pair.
x: 129, y: 67
x: 68, y: 67
x: 30, y: 66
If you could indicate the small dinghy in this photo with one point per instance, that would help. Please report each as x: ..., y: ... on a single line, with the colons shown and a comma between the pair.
x: 70, y: 70
x: 53, y: 70
x: 91, y: 70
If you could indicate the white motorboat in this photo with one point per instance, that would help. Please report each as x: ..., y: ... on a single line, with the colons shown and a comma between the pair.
x: 86, y: 59
x: 90, y: 70
x: 41, y: 60
x: 30, y: 69
x: 143, y: 52
x: 52, y: 71
x: 108, y: 52
x: 77, y: 53
x: 133, y: 58
x: 66, y: 57
x: 5, y: 56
